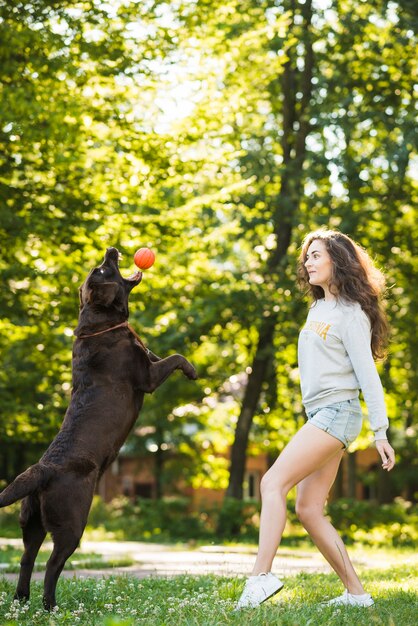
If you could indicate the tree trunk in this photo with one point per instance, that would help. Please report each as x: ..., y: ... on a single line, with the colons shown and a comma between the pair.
x: 384, y: 487
x: 4, y: 456
x: 159, y: 464
x: 285, y: 209
x: 256, y: 378
x: 338, y: 486
x: 351, y: 474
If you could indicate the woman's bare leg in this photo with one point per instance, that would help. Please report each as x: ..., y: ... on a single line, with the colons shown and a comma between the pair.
x: 312, y: 493
x: 310, y: 449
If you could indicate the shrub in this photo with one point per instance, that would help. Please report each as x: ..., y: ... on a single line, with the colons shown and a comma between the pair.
x: 9, y: 520
x: 238, y: 519
x: 172, y: 519
x: 368, y: 523
x: 169, y: 518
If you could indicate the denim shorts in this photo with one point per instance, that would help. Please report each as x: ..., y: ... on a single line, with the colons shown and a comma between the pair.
x: 342, y: 420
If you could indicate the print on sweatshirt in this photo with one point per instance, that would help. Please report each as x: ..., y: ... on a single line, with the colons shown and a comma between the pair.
x: 320, y: 328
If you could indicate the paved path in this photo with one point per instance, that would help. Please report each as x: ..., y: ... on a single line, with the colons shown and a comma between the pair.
x: 163, y: 560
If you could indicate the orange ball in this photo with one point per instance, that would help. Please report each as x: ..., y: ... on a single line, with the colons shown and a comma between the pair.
x: 144, y: 258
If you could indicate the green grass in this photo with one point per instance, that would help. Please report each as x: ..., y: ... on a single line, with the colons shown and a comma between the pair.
x: 209, y: 600
x: 10, y: 560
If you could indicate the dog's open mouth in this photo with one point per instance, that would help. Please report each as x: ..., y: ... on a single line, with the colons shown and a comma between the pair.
x: 113, y: 256
x: 136, y: 277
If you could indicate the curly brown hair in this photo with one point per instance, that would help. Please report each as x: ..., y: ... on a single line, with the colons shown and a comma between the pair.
x: 354, y: 278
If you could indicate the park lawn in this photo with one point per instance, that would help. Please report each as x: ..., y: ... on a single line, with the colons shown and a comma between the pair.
x: 10, y: 560
x: 209, y: 601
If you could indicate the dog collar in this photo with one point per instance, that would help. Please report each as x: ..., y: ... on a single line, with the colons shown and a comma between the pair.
x: 122, y: 325
x: 106, y: 330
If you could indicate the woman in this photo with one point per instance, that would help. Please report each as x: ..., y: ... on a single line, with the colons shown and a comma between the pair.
x: 345, y: 330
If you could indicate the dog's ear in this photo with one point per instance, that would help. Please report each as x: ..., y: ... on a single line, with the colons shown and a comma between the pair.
x: 101, y: 293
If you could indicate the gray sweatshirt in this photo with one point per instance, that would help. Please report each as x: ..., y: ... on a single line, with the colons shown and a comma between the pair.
x: 335, y: 360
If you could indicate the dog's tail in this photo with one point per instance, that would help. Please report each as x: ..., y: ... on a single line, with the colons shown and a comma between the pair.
x: 35, y: 477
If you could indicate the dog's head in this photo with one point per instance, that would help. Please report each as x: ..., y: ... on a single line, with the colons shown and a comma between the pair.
x: 105, y: 287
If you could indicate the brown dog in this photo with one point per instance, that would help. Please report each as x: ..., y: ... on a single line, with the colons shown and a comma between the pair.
x: 112, y: 370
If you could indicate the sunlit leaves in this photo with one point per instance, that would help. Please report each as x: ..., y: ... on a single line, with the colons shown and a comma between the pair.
x: 161, y: 124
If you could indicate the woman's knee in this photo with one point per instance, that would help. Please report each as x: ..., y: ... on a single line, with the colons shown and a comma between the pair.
x: 265, y: 484
x: 271, y: 484
x: 307, y: 512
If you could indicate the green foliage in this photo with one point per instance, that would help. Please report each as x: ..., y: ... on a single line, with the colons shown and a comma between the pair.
x: 393, y: 524
x: 160, y: 520
x: 171, y: 519
x: 9, y: 521
x: 238, y: 520
x: 163, y: 124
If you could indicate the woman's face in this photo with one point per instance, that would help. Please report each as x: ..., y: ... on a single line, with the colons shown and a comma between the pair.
x: 318, y: 264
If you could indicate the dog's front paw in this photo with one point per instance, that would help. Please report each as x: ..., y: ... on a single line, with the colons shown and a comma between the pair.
x: 190, y: 371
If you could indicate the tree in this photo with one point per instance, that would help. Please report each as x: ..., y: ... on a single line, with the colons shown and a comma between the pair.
x: 305, y: 97
x: 67, y: 127
x: 219, y: 133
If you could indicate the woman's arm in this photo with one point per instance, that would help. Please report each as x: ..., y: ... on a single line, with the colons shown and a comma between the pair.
x: 357, y: 342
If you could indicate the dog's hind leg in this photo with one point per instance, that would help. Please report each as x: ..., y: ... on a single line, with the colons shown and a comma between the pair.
x: 65, y: 543
x: 33, y: 533
x: 65, y: 508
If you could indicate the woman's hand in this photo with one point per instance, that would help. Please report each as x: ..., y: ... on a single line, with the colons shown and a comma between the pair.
x: 387, y: 453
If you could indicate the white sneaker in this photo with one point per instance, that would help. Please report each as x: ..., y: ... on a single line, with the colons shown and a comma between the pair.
x: 258, y: 589
x: 349, y: 599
